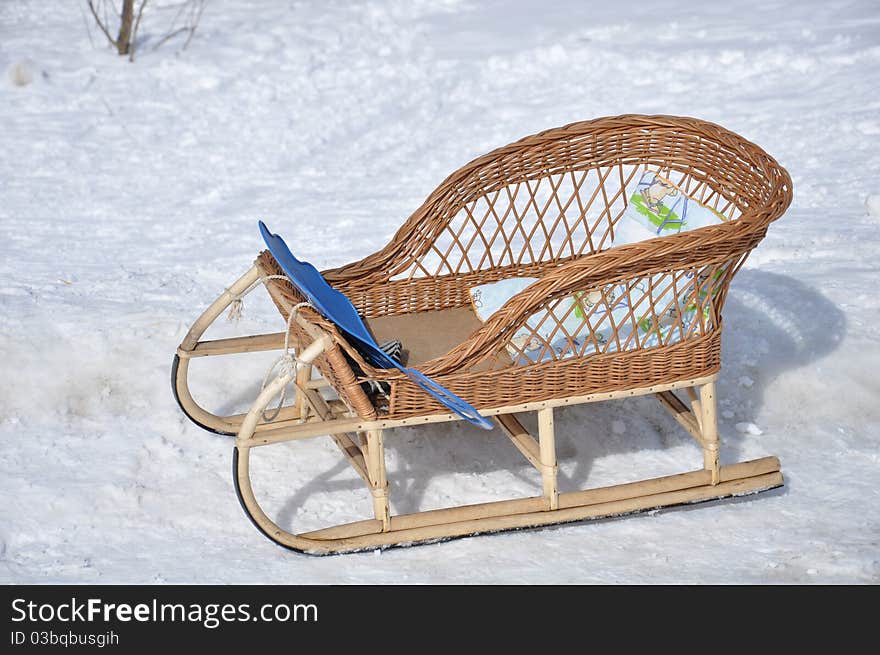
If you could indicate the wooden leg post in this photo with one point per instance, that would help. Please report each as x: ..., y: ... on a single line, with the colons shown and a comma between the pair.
x: 695, y: 405
x: 709, y: 428
x: 303, y: 376
x: 378, y: 479
x: 547, y: 442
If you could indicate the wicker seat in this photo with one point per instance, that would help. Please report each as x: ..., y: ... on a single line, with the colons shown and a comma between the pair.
x: 426, y: 335
x: 545, y: 207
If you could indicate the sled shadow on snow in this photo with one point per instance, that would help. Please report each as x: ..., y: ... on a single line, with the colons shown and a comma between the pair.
x: 773, y: 324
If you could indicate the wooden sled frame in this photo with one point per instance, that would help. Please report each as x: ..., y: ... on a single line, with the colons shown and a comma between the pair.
x: 545, y: 207
x: 362, y: 444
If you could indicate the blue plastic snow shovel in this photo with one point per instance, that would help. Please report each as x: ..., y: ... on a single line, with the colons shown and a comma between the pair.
x: 336, y: 307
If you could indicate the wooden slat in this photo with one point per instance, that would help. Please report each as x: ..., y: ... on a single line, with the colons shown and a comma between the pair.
x: 695, y: 406
x: 303, y: 376
x: 745, y: 477
x: 312, y: 429
x: 233, y: 345
x: 349, y: 447
x: 668, y: 483
x: 547, y: 445
x: 288, y: 417
x: 680, y: 413
x: 525, y: 442
x: 709, y: 421
x: 432, y: 517
x: 535, y: 519
x: 375, y: 451
x: 353, y: 454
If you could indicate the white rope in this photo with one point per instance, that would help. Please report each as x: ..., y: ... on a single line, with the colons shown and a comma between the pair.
x: 287, y: 363
x: 236, y: 307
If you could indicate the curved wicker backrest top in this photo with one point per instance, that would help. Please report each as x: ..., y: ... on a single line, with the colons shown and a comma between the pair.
x: 502, y: 210
x: 546, y: 206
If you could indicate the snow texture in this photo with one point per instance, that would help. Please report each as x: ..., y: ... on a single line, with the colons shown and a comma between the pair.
x: 129, y: 195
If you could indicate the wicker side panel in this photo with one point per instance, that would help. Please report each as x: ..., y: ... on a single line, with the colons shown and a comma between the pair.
x: 426, y: 294
x: 569, y: 377
x: 634, y: 313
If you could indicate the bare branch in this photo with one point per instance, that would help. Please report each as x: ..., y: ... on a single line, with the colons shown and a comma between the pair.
x: 105, y: 12
x: 86, y: 23
x: 123, y: 41
x: 101, y: 24
x: 134, y: 33
x: 194, y: 21
x: 170, y: 35
x: 109, y: 14
x: 180, y: 11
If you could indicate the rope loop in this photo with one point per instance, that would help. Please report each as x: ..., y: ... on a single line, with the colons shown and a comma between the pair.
x: 287, y: 364
x: 236, y: 307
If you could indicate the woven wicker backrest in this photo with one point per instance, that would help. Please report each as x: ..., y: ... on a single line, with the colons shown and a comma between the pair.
x: 558, y: 194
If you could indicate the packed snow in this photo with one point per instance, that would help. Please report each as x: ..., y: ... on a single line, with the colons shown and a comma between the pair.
x: 129, y: 195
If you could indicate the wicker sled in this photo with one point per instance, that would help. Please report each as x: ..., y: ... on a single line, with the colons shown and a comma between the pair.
x: 544, y: 207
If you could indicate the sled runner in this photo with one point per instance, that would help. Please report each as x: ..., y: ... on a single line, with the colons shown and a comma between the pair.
x: 581, y: 264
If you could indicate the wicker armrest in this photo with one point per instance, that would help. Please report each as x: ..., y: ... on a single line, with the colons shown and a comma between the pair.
x: 367, y: 269
x: 714, y: 251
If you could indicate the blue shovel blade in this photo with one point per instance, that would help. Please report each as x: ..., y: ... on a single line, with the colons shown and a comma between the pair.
x: 333, y: 304
x: 336, y: 307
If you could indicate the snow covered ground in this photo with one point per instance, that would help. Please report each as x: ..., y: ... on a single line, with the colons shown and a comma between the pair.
x: 129, y: 195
